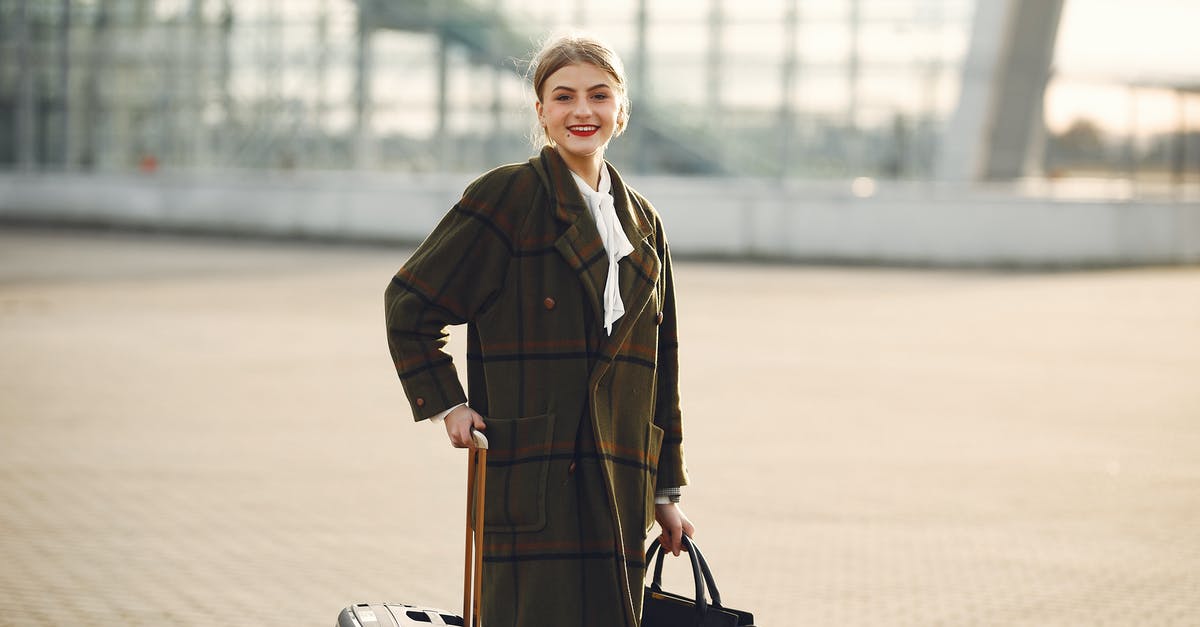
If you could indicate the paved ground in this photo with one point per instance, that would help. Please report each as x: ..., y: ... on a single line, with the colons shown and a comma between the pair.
x: 204, y: 433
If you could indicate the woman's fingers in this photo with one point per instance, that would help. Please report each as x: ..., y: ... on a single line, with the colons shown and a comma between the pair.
x: 671, y: 535
x: 676, y: 540
x: 458, y: 426
x: 464, y: 436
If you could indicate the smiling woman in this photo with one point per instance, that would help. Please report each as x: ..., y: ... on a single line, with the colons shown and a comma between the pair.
x: 562, y: 274
x: 579, y: 116
x: 581, y: 94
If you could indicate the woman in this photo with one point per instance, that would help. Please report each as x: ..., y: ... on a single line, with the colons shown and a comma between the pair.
x: 563, y: 276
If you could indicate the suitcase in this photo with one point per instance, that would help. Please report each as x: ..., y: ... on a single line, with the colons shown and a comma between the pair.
x: 403, y: 615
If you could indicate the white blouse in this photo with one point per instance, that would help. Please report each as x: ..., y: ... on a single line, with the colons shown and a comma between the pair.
x: 616, y: 244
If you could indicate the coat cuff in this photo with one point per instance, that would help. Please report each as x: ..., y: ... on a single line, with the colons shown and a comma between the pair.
x: 666, y: 496
x: 440, y: 417
x: 434, y: 391
x: 671, y: 471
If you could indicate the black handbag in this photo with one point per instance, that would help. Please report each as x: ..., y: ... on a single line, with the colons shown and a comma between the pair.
x: 663, y: 609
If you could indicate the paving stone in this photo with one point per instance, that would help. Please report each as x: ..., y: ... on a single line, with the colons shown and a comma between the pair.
x: 199, y: 432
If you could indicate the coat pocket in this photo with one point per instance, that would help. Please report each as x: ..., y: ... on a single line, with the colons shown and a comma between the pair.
x: 519, y: 453
x: 654, y: 438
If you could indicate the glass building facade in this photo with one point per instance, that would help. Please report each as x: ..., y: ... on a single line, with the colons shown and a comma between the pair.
x: 772, y: 88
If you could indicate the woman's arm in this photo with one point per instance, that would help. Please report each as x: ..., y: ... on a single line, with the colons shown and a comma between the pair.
x: 672, y: 472
x: 448, y: 280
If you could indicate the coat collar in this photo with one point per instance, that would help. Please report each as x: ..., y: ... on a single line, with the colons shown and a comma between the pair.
x: 570, y: 205
x: 583, y: 250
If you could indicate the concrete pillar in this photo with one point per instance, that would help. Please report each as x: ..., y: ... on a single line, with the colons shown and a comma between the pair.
x: 641, y: 83
x: 199, y: 153
x: 322, y: 155
x: 580, y: 18
x: 998, y: 123
x: 854, y: 140
x: 714, y: 64
x: 1131, y: 141
x: 496, y: 151
x: 1179, y: 145
x: 66, y: 143
x: 224, y: 75
x: 94, y: 117
x: 787, y: 114
x: 442, y: 138
x: 26, y: 98
x: 364, y: 154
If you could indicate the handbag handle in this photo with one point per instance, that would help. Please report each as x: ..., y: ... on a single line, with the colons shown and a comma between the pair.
x: 708, y: 578
x: 700, y: 570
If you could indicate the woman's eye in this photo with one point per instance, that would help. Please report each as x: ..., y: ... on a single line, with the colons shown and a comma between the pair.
x: 600, y: 96
x: 563, y: 98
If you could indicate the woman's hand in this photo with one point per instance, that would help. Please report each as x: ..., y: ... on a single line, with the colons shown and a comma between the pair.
x: 673, y: 523
x: 459, y: 423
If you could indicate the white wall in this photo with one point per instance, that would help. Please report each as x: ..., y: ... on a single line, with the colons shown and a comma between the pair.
x: 900, y: 224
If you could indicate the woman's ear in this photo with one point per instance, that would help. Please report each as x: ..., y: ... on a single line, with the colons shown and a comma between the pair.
x: 537, y: 106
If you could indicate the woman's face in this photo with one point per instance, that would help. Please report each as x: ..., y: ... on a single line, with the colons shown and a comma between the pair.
x: 579, y: 108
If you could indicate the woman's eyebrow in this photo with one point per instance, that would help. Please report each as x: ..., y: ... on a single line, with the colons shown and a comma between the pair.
x: 596, y: 86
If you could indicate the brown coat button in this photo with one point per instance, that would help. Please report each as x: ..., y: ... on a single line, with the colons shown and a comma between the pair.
x: 549, y: 303
x: 658, y: 319
x: 571, y: 469
x: 420, y: 402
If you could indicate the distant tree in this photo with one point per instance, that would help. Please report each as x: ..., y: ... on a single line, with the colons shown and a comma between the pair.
x: 1084, y: 143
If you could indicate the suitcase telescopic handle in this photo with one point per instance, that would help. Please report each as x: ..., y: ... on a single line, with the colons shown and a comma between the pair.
x: 473, y: 558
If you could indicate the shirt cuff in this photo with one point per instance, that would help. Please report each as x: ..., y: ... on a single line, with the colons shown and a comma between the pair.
x: 441, y: 417
x: 666, y: 496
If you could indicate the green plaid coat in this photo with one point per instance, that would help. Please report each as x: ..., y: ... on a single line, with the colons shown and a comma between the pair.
x: 582, y: 426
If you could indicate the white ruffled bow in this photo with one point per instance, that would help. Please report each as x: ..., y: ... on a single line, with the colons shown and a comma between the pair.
x: 616, y: 244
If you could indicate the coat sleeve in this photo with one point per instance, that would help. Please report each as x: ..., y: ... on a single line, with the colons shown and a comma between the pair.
x: 451, y: 277
x: 672, y: 472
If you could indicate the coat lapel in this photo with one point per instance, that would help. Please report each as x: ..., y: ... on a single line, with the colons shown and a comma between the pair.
x: 580, y: 244
x: 583, y: 250
x: 639, y: 270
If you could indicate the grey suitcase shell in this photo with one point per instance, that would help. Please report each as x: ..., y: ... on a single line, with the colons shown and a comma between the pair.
x: 394, y: 615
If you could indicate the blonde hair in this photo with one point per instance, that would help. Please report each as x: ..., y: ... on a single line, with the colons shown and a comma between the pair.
x: 567, y: 50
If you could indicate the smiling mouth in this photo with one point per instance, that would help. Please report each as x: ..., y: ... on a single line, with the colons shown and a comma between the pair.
x: 585, y: 130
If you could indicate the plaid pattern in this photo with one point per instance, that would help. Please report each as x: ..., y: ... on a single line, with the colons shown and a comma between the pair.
x: 663, y: 496
x: 584, y: 426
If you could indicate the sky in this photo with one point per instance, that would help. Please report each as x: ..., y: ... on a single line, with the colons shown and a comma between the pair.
x: 1133, y: 42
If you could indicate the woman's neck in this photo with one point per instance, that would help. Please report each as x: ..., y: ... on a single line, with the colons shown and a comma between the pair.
x: 588, y: 168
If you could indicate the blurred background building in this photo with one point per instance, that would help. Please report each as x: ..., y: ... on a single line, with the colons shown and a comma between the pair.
x: 828, y: 101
